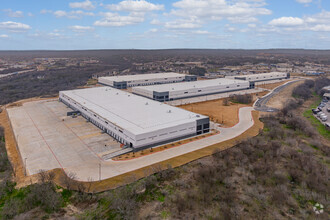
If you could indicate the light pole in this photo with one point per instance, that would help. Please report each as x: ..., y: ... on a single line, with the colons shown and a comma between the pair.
x: 99, y: 171
x: 25, y: 166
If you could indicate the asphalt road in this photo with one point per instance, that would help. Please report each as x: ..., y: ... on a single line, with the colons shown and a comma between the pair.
x: 261, y: 103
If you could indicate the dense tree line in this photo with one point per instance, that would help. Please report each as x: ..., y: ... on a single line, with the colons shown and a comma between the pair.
x: 45, y: 83
x: 306, y: 90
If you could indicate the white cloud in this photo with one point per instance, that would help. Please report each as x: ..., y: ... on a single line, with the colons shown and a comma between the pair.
x: 204, y: 11
x: 287, y: 21
x: 252, y: 25
x: 4, y: 36
x: 153, y: 30
x: 320, y: 18
x: 14, y: 26
x: 219, y: 9
x: 72, y: 14
x: 87, y: 5
x: 14, y: 14
x: 78, y: 28
x: 304, y: 1
x: 183, y: 24
x: 321, y: 27
x: 30, y: 14
x: 115, y: 20
x: 135, y: 6
x: 201, y: 32
x: 155, y: 22
x: 137, y: 11
x: 242, y: 19
x: 45, y: 11
x: 60, y: 13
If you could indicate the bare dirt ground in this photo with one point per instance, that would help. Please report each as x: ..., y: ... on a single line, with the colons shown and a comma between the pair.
x: 227, y: 116
x: 278, y: 101
x: 272, y: 85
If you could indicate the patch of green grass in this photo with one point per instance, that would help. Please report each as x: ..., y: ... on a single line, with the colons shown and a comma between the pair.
x: 165, y: 214
x: 161, y: 198
x: 301, y: 200
x: 66, y: 195
x: 317, y: 124
x: 314, y: 121
x: 314, y: 147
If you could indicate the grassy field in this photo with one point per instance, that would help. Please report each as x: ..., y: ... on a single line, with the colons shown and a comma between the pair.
x: 315, y: 122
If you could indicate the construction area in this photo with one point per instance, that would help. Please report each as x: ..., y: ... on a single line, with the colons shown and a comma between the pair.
x: 48, y: 138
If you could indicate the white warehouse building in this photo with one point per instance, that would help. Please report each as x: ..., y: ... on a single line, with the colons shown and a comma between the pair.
x: 262, y: 77
x: 134, y: 120
x: 168, y: 92
x: 125, y: 81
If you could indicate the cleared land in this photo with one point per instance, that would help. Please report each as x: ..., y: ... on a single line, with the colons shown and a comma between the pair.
x: 283, y: 96
x: 227, y: 116
x: 271, y: 86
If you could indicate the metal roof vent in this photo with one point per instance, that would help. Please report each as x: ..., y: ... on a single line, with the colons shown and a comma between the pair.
x: 117, y: 93
x: 198, y: 116
x: 147, y: 103
x: 169, y: 111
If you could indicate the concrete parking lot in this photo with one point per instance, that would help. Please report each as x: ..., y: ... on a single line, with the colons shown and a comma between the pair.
x: 324, y: 110
x: 48, y: 139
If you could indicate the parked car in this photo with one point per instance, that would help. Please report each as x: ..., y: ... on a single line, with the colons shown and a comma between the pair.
x: 322, y: 114
x: 322, y: 105
x: 328, y: 109
x: 324, y: 118
x: 319, y: 113
x: 327, y: 125
x: 325, y: 100
x: 315, y: 111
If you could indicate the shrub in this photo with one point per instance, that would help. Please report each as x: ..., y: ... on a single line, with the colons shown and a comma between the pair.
x: 45, y: 196
x: 243, y: 99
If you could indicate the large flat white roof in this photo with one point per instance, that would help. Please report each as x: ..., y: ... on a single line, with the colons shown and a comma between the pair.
x: 191, y: 85
x: 142, y: 76
x: 260, y: 74
x: 133, y: 113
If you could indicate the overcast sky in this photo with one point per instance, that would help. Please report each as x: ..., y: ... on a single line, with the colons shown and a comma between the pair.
x: 159, y: 24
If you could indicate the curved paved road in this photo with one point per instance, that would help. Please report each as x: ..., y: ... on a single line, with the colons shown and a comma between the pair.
x: 261, y: 103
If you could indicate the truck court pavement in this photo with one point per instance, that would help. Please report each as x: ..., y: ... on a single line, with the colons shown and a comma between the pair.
x: 48, y: 139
